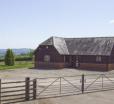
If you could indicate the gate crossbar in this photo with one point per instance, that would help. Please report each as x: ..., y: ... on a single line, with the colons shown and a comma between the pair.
x: 93, y: 82
x: 109, y: 79
x: 71, y: 84
x: 48, y: 86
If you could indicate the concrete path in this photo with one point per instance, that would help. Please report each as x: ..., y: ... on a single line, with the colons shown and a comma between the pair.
x: 106, y: 97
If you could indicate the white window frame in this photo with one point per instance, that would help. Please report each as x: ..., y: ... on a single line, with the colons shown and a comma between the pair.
x: 47, y: 58
x: 98, y: 59
x: 47, y: 47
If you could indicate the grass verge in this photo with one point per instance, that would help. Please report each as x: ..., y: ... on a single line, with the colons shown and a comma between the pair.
x: 18, y: 64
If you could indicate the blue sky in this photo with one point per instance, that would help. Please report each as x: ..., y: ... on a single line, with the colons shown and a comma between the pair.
x: 26, y: 23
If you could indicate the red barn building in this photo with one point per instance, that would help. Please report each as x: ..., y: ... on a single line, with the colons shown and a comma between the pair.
x: 81, y: 53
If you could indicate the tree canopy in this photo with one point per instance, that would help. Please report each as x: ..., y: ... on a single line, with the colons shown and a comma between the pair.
x: 9, y: 58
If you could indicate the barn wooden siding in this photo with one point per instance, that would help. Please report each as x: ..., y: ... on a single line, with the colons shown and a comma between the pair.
x: 61, y: 61
x: 56, y: 60
x: 88, y: 62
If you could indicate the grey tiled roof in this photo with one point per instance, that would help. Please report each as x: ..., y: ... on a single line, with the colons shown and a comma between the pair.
x: 82, y: 46
x: 58, y: 43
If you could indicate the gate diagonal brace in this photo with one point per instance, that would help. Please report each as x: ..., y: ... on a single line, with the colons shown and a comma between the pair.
x: 48, y: 86
x: 109, y: 79
x: 71, y: 84
x: 93, y: 82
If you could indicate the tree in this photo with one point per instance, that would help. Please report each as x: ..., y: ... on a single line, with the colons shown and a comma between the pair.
x: 9, y: 58
x: 31, y: 53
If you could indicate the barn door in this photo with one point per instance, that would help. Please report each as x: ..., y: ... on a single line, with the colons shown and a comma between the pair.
x: 73, y: 59
x: 75, y: 62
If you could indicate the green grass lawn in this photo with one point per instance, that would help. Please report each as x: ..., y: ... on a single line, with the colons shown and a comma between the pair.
x: 18, y: 64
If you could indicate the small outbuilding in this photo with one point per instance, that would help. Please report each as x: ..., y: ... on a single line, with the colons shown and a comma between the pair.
x: 82, y: 53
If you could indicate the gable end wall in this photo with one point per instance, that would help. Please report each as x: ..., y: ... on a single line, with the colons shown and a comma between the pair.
x: 56, y: 60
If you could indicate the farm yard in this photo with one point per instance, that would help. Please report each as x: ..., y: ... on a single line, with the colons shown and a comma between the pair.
x: 105, y: 97
x: 50, y: 79
x: 34, y: 73
x: 56, y: 52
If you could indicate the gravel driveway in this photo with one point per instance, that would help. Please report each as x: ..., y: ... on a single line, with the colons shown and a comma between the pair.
x: 38, y: 73
x: 106, y: 97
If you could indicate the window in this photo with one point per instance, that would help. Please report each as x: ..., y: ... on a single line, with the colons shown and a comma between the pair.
x: 46, y: 58
x: 98, y: 58
x: 47, y: 47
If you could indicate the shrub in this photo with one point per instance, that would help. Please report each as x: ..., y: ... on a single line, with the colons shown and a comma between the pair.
x: 9, y: 58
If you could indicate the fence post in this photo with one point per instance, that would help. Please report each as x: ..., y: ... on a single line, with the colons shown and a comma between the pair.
x: 102, y: 81
x: 60, y: 85
x: 34, y: 88
x: 27, y: 88
x: 0, y: 91
x: 82, y: 84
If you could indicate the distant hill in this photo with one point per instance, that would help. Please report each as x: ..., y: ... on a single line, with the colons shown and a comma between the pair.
x: 16, y: 51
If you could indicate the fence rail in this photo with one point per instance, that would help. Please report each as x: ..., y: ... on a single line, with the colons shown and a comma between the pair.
x: 70, y: 85
x: 18, y: 91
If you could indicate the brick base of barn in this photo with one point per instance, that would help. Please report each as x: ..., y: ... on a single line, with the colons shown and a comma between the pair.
x: 110, y: 66
x: 94, y: 66
x: 49, y: 65
x: 84, y: 66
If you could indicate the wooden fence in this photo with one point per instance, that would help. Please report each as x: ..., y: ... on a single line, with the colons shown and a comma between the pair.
x: 17, y: 91
x: 26, y: 90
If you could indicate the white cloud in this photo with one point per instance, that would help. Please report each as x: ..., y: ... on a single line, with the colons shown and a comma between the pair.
x: 111, y: 22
